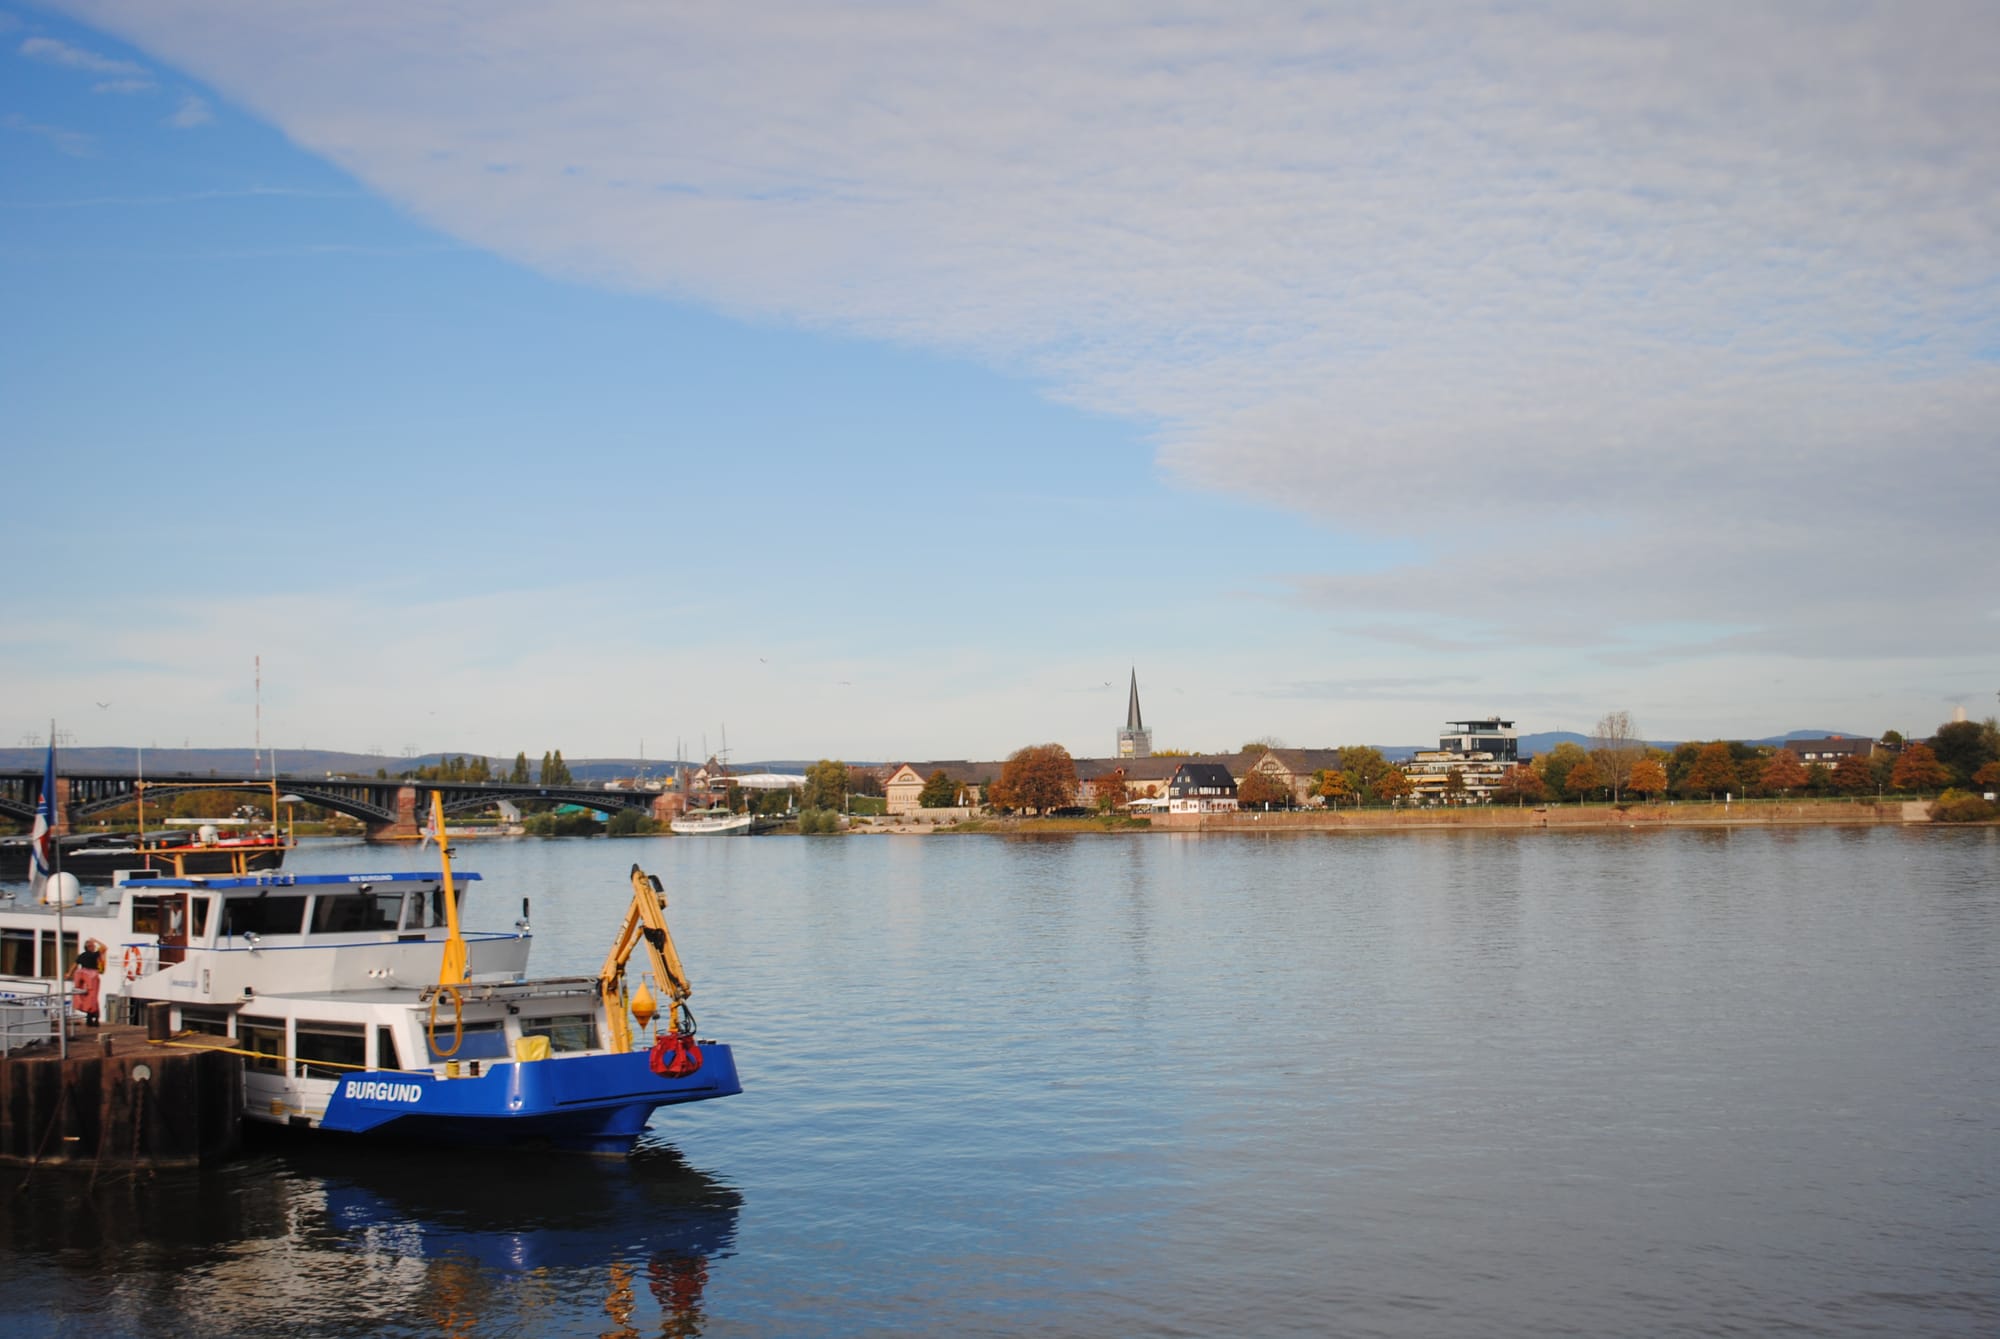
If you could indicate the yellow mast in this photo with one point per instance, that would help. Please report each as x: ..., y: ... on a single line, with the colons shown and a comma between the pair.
x: 456, y: 968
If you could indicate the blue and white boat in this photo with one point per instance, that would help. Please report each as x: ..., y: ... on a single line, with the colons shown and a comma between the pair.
x: 361, y: 1007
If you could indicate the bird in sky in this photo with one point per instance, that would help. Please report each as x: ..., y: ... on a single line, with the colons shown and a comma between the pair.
x: 103, y: 704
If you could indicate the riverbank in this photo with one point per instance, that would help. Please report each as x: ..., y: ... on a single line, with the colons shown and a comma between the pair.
x: 1753, y: 813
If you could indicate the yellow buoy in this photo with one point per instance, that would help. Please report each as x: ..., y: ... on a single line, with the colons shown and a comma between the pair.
x: 643, y: 1007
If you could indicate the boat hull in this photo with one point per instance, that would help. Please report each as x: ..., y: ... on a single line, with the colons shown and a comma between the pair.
x: 579, y: 1104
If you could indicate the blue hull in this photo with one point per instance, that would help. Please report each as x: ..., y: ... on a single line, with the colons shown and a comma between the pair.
x: 580, y: 1104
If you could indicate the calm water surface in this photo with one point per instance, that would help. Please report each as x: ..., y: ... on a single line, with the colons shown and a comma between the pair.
x: 1408, y: 1085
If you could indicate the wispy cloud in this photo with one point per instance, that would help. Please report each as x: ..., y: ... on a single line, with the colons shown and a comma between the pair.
x: 192, y: 112
x: 124, y: 87
x: 75, y: 143
x: 51, y: 51
x: 1627, y: 315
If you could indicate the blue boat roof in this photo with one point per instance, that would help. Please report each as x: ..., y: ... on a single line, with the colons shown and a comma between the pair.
x: 298, y: 880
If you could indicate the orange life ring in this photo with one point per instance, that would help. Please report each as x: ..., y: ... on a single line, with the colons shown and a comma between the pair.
x: 135, y: 962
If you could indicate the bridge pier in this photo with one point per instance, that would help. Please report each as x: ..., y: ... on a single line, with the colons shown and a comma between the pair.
x: 406, y: 828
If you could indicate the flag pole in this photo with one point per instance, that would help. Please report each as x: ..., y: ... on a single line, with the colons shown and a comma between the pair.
x: 55, y: 880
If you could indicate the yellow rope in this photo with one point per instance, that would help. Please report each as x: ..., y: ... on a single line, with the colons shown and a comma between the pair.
x: 286, y: 1059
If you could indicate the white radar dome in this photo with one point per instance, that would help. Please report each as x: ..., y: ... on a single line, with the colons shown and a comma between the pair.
x: 62, y: 890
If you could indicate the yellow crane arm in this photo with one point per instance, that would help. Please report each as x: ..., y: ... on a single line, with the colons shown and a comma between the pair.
x: 645, y: 923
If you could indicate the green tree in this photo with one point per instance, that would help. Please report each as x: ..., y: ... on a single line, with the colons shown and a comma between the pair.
x: 939, y: 792
x: 1040, y: 777
x: 1362, y: 767
x: 519, y: 776
x: 1713, y: 772
x: 1784, y: 773
x: 826, y: 785
x: 1963, y: 747
x: 1919, y: 770
x: 1555, y: 765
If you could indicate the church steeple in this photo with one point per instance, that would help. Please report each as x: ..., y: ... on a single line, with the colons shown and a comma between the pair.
x: 1135, y: 740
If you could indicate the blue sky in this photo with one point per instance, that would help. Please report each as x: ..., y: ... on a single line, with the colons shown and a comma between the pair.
x: 887, y: 382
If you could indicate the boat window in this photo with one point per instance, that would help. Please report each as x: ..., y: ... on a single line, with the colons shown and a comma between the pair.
x: 199, y: 927
x: 348, y: 913
x: 264, y: 1038
x: 566, y: 1032
x: 482, y: 1041
x: 387, y: 1055
x: 147, y: 917
x: 49, y: 968
x: 17, y: 952
x: 208, y: 1022
x: 263, y: 915
x: 430, y: 910
x: 330, y: 1050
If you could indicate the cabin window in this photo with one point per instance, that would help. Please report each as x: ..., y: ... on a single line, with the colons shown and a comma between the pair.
x: 17, y: 952
x: 330, y: 1050
x: 351, y: 913
x: 208, y: 1022
x: 263, y: 915
x: 427, y: 911
x: 49, y: 968
x: 566, y: 1032
x: 482, y: 1041
x: 264, y: 1038
x: 387, y: 1054
x: 147, y: 917
x: 198, y: 923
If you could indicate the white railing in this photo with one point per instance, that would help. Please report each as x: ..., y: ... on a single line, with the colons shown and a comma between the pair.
x: 29, y: 1016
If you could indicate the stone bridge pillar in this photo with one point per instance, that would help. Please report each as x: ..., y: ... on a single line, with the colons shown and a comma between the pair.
x: 406, y: 828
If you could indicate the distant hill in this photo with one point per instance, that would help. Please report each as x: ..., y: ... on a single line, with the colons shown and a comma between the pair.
x: 319, y: 762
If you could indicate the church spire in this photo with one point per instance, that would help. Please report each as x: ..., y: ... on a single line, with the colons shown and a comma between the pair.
x: 1135, y: 740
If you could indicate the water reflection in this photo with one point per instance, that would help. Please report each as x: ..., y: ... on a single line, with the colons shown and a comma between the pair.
x: 392, y: 1241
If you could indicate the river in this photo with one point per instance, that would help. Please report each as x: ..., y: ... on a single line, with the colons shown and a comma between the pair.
x: 1406, y: 1084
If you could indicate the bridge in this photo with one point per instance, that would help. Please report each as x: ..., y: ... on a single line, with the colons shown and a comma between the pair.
x: 392, y: 809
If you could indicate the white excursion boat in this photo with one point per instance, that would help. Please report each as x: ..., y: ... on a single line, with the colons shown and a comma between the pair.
x: 716, y: 822
x: 360, y: 1006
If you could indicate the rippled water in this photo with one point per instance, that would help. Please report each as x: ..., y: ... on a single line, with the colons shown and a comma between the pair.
x: 1484, y: 1083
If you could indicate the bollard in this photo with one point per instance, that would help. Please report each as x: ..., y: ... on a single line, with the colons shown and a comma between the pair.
x: 104, y: 1044
x: 159, y: 1021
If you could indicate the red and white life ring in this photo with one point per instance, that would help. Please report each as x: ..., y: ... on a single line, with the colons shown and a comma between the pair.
x: 135, y: 962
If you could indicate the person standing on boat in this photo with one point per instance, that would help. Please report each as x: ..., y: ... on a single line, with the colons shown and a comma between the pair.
x: 88, y: 978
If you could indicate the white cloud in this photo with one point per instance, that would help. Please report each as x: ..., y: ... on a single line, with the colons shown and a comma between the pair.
x: 50, y: 51
x: 1632, y: 316
x: 192, y: 112
x: 75, y: 143
x: 124, y: 87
